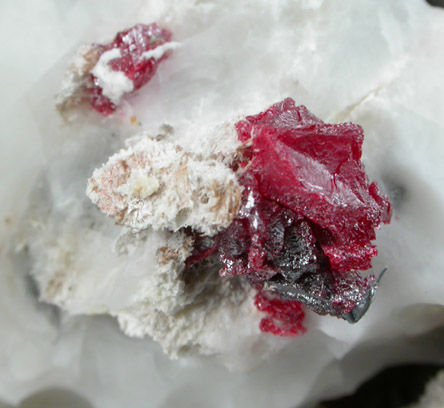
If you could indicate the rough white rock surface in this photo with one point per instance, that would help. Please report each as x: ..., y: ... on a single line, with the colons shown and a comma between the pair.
x: 376, y: 64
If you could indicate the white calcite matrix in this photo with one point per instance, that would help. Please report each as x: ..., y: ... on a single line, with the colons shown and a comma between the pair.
x: 102, y: 305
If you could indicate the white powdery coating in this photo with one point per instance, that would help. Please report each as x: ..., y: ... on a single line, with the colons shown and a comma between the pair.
x: 160, y: 50
x: 114, y: 84
x: 76, y: 79
x: 160, y: 185
x: 213, y: 141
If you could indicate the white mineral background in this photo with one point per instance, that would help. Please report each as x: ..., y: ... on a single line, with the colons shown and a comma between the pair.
x: 376, y: 63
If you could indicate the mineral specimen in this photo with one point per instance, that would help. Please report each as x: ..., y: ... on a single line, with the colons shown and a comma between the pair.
x: 103, y: 74
x: 294, y: 213
x: 378, y: 64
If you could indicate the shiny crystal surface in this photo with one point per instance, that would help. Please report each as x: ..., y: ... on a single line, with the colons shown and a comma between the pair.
x: 307, y: 218
x: 314, y: 169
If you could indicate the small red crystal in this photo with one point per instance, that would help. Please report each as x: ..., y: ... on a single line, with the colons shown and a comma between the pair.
x: 132, y: 43
x: 284, y: 317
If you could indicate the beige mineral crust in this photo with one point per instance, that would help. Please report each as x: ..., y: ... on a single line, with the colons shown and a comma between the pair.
x: 158, y: 184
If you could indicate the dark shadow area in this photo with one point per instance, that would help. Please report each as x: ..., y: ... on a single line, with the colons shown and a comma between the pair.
x: 393, y: 387
x: 55, y: 398
x: 437, y: 3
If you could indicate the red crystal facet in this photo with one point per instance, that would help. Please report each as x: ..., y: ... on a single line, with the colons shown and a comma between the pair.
x: 307, y: 217
x: 314, y: 169
x: 132, y: 43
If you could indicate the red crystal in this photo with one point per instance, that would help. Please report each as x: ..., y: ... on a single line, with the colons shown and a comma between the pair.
x: 284, y: 317
x: 314, y: 169
x: 132, y: 43
x: 306, y: 221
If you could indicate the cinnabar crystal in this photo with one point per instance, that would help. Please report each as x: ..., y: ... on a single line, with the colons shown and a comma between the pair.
x: 307, y: 218
x: 284, y: 317
x: 132, y: 43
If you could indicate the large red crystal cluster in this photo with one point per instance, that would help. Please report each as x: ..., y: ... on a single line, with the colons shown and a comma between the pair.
x: 307, y: 218
x: 132, y: 43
